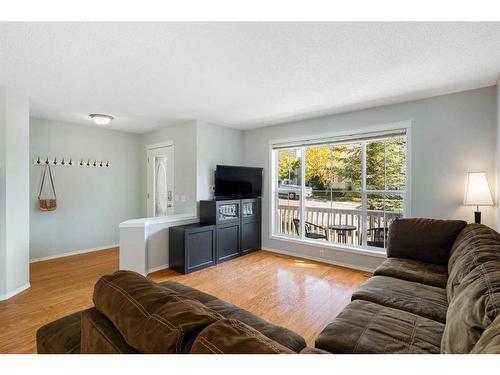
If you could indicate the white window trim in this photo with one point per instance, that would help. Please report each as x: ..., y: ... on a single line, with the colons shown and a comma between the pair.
x: 403, y: 125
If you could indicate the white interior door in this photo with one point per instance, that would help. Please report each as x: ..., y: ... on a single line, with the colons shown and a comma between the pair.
x: 160, y: 180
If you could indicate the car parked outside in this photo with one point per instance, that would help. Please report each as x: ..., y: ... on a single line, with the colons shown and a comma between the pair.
x: 287, y: 190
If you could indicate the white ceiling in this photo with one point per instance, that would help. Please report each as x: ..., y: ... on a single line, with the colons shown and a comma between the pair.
x: 242, y: 75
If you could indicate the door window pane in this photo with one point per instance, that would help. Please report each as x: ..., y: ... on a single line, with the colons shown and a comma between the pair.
x: 288, y: 190
x: 161, y: 202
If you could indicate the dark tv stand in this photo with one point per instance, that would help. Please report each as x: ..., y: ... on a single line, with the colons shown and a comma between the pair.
x: 237, y: 225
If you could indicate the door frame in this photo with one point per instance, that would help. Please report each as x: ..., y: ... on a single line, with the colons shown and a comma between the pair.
x: 171, y: 174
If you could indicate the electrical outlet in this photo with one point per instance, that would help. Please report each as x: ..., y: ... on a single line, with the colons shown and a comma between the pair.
x: 322, y: 253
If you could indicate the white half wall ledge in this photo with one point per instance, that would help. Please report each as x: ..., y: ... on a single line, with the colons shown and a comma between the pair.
x: 144, y: 242
x: 76, y: 252
x: 12, y: 293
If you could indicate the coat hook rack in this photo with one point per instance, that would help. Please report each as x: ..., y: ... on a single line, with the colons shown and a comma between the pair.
x: 71, y: 162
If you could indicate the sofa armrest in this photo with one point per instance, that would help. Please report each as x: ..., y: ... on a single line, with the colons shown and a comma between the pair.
x: 99, y: 335
x: 425, y: 240
x: 61, y: 336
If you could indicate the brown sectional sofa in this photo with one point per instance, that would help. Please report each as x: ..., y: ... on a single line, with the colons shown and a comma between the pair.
x: 134, y: 315
x: 438, y: 292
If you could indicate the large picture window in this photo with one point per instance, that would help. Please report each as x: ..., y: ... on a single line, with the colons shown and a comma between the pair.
x: 343, y: 191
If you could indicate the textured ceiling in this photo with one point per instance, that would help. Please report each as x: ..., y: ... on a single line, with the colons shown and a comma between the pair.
x: 242, y: 75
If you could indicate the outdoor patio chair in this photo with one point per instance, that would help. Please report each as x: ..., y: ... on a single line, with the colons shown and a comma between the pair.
x: 376, y: 236
x: 314, y: 231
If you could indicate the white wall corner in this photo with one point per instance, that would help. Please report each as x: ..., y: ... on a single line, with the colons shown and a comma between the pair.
x: 14, y: 192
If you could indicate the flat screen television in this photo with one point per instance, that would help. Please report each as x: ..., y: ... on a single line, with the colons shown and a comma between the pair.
x: 232, y: 181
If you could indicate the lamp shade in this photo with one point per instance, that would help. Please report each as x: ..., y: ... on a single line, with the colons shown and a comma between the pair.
x: 477, y: 191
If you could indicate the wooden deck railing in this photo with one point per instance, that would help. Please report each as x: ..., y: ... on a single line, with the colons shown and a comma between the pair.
x: 325, y: 217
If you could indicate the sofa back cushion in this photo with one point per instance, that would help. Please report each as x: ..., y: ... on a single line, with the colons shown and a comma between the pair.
x: 151, y: 318
x: 475, y: 245
x: 475, y: 304
x: 489, y: 342
x: 229, y: 336
x: 425, y: 240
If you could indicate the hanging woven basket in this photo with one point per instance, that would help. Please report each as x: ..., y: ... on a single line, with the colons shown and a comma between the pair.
x: 47, y: 204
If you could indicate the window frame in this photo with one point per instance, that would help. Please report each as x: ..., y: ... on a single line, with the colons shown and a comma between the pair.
x: 358, y: 135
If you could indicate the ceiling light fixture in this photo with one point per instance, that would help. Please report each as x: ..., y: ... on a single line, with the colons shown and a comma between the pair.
x: 101, y: 119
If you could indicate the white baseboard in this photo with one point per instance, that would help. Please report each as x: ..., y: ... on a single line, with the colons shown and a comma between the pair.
x: 34, y: 260
x: 14, y: 292
x: 318, y: 259
x: 159, y: 268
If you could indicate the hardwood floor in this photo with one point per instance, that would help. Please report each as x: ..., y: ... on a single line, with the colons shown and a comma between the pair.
x: 301, y: 295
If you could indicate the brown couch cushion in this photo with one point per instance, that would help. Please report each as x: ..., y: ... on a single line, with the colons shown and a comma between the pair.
x: 474, y: 306
x: 425, y: 240
x: 413, y: 270
x: 365, y: 327
x: 151, y: 318
x: 61, y: 336
x: 277, y: 333
x: 99, y: 335
x: 489, y: 342
x: 228, y: 336
x: 425, y: 300
x: 187, y: 291
x: 475, y: 245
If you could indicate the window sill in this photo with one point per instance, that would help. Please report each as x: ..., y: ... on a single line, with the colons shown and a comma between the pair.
x: 340, y: 247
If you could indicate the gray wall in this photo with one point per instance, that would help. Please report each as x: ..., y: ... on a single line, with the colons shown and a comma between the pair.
x: 14, y: 178
x: 451, y: 135
x: 91, y: 201
x: 198, y: 148
x: 216, y: 145
x: 183, y: 136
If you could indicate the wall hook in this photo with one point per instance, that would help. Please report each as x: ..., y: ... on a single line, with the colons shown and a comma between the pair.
x: 88, y: 163
x: 47, y: 160
x: 107, y: 163
x: 38, y: 160
x: 70, y: 161
x: 62, y: 162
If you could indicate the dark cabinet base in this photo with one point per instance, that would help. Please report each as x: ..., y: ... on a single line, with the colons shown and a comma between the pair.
x: 191, y: 247
x: 227, y: 229
x: 228, y: 242
x: 250, y: 236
